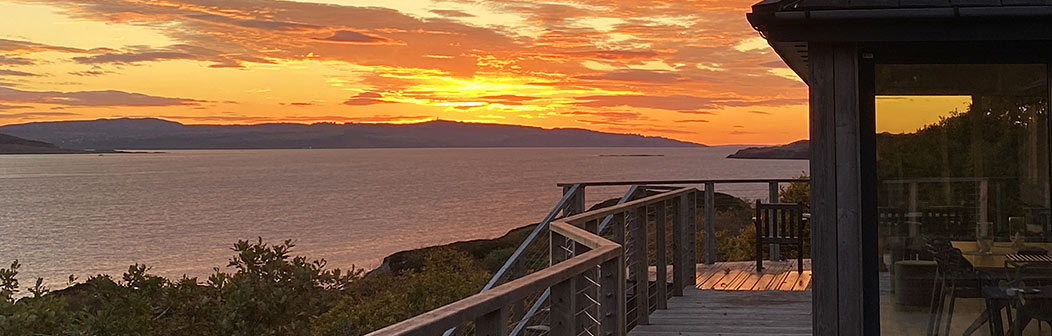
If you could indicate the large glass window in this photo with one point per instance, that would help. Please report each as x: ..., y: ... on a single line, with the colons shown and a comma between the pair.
x: 963, y: 199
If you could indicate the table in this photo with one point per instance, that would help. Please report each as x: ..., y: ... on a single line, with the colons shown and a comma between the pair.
x: 995, y: 265
x: 995, y: 261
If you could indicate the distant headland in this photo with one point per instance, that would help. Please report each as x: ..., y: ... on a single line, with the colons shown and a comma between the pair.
x: 798, y: 150
x: 10, y: 144
x: 152, y: 133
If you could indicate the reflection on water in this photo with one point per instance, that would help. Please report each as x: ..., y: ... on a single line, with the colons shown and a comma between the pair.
x: 181, y: 211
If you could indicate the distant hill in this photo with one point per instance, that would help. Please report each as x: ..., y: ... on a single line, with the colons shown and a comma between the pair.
x: 151, y: 133
x: 14, y: 145
x: 798, y: 150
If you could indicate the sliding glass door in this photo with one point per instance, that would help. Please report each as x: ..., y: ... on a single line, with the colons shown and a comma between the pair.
x: 962, y: 154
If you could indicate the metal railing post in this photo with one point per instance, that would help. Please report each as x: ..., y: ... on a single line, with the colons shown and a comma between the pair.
x: 616, y: 219
x: 679, y: 247
x: 641, y: 276
x: 585, y: 290
x: 692, y: 239
x: 772, y: 197
x: 660, y: 255
x: 563, y: 312
x: 576, y: 202
x: 612, y: 299
x: 710, y: 225
x: 492, y: 324
x: 560, y: 250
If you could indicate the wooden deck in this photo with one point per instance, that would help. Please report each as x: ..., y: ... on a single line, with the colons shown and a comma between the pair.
x: 733, y: 299
x: 712, y: 312
x: 742, y: 276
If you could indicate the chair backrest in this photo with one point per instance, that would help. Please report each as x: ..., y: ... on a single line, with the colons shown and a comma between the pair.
x: 953, y: 266
x: 779, y: 220
x: 952, y: 263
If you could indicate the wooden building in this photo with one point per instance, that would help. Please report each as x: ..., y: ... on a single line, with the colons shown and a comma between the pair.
x: 933, y: 95
x: 930, y: 212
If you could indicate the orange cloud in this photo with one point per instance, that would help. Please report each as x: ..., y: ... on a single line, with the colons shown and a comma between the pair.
x: 89, y: 98
x: 365, y: 98
x: 5, y: 72
x: 548, y: 64
x: 140, y: 54
x: 25, y: 47
x: 359, y: 38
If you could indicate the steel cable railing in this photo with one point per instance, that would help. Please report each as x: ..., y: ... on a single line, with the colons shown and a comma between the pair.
x: 586, y: 283
x: 631, y: 227
x: 632, y: 192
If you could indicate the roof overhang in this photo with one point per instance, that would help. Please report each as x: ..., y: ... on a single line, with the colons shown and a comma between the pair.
x: 790, y: 29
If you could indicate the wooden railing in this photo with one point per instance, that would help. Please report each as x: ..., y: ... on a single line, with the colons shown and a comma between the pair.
x: 576, y: 201
x: 630, y: 228
x: 533, y: 252
x: 598, y: 279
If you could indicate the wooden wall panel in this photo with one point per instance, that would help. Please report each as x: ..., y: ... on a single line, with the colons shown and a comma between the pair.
x: 836, y: 190
x: 823, y: 191
x: 848, y: 187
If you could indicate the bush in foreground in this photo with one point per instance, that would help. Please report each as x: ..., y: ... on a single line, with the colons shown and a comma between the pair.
x: 268, y: 292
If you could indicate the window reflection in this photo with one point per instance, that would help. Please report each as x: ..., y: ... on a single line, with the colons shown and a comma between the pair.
x: 963, y: 199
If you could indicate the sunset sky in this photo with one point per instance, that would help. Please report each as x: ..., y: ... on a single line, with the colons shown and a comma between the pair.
x: 691, y: 70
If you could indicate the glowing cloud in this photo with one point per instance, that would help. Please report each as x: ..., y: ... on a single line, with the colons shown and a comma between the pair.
x: 620, y: 66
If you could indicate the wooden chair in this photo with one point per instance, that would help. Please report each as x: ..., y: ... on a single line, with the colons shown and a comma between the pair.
x: 782, y: 224
x: 1031, y: 285
x: 956, y: 278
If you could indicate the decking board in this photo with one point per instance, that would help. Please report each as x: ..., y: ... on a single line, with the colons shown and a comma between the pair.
x: 742, y: 276
x: 723, y: 312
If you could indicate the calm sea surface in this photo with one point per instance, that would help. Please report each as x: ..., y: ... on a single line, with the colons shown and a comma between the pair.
x: 180, y: 212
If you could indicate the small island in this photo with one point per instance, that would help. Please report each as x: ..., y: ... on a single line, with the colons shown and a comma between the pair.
x: 798, y: 150
x: 10, y: 144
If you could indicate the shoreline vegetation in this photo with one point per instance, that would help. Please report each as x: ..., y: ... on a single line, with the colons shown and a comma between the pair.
x: 266, y: 290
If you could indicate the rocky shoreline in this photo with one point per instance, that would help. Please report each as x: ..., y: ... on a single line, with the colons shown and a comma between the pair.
x: 491, y: 254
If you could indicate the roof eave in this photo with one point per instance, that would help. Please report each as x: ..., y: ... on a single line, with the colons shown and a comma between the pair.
x: 787, y: 30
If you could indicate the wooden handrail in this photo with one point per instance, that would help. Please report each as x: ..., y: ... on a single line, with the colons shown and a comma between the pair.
x: 594, y: 267
x: 439, y: 320
x: 581, y: 236
x: 599, y: 213
x: 647, y: 182
x: 710, y: 202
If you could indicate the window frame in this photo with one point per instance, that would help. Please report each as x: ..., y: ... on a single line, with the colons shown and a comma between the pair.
x: 869, y: 56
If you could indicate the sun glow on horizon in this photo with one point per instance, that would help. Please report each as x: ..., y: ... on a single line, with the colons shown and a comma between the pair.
x: 908, y: 114
x: 622, y: 68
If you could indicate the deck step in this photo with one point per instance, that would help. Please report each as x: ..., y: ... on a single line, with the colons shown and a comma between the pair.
x: 722, y: 312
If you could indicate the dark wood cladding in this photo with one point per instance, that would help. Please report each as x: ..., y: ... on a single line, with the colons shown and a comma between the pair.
x: 823, y: 192
x: 836, y: 191
x: 828, y: 4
